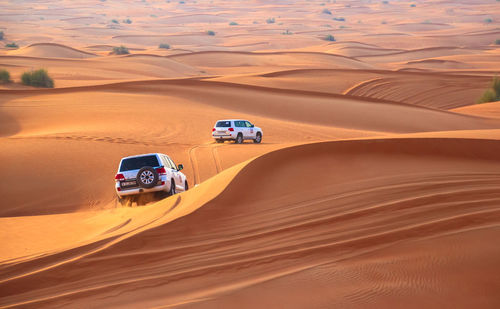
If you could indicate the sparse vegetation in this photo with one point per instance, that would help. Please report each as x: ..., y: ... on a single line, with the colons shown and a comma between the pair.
x: 488, y: 20
x: 1, y: 35
x: 4, y: 77
x: 12, y: 45
x: 115, y: 21
x: 127, y: 21
x: 210, y: 32
x: 287, y: 32
x: 492, y: 94
x: 330, y: 38
x: 233, y: 23
x: 270, y: 20
x: 497, y: 42
x: 38, y: 78
x: 413, y: 5
x: 339, y: 18
x: 327, y: 11
x: 120, y: 50
x: 164, y: 46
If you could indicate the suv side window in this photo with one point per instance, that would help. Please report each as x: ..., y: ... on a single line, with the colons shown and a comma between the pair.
x: 239, y: 124
x: 172, y: 164
x: 248, y: 124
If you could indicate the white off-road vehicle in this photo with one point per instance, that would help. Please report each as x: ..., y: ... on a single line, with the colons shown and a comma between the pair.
x: 154, y: 172
x: 236, y: 130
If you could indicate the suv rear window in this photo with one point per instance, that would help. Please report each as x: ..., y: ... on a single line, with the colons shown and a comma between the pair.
x: 138, y: 163
x: 223, y: 124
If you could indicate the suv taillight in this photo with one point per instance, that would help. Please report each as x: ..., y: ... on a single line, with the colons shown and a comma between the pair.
x: 231, y: 129
x: 161, y: 171
x: 213, y: 129
x: 119, y: 177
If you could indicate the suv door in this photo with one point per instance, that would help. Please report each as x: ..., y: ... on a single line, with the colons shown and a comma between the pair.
x: 176, y: 175
x: 240, y: 127
x: 251, y: 133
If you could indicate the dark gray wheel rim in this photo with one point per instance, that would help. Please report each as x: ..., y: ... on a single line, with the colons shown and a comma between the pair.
x: 258, y: 138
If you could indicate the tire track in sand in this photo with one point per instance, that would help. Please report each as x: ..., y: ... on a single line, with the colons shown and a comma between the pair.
x: 200, y: 170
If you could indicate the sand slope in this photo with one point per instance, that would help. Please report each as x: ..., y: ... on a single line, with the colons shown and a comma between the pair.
x: 349, y: 217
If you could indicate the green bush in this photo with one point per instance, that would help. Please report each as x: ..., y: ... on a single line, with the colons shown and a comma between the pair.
x: 38, y: 78
x: 122, y: 50
x: 488, y: 20
x: 413, y: 5
x: 4, y: 77
x: 1, y: 35
x: 233, y: 23
x: 327, y: 11
x: 127, y: 21
x: 210, y: 32
x: 497, y: 42
x: 287, y: 32
x: 164, y: 46
x: 115, y: 21
x: 493, y: 93
x: 12, y: 45
x: 330, y: 38
x: 339, y: 18
x: 271, y: 20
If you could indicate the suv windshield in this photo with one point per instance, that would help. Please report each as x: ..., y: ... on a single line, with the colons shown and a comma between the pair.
x: 138, y: 163
x: 223, y: 124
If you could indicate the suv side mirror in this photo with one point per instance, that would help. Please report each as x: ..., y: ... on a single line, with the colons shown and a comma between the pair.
x: 180, y: 167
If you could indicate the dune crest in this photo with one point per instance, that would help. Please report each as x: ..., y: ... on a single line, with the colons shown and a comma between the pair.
x: 52, y: 50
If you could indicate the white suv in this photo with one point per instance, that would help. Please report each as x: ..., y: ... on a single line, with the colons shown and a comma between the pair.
x: 236, y: 130
x: 145, y: 173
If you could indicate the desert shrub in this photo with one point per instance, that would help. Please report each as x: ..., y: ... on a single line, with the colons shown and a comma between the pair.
x: 339, y: 18
x: 4, y: 77
x: 38, y: 78
x: 385, y: 2
x: 1, y: 35
x: 210, y: 32
x: 497, y: 42
x: 330, y: 38
x: 164, y: 46
x: 413, y: 5
x: 384, y: 22
x: 12, y: 45
x: 493, y: 93
x: 287, y: 32
x: 127, y: 21
x: 488, y: 20
x: 233, y: 23
x: 270, y: 20
x: 121, y: 50
x: 327, y: 11
x: 115, y: 21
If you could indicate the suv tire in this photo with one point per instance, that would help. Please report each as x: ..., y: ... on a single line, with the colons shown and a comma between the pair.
x: 239, y: 139
x: 172, y: 188
x: 147, y: 177
x: 258, y: 138
x: 186, y: 186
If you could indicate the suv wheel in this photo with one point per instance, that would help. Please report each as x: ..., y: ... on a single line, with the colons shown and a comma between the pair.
x: 172, y: 188
x: 239, y: 138
x: 258, y: 138
x: 186, y: 187
x: 147, y: 177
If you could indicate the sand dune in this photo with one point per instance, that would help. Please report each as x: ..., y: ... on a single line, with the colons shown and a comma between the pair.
x: 376, y: 183
x: 51, y: 50
x: 225, y: 251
